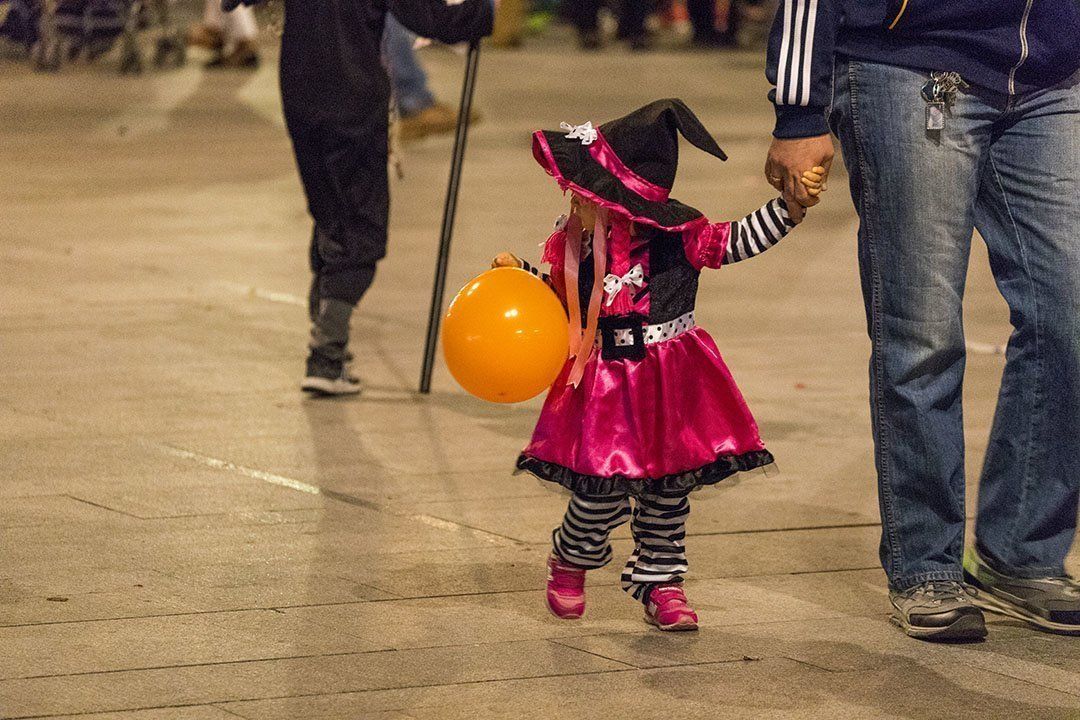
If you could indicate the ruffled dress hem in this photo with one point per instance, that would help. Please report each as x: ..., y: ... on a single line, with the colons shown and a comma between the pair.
x: 678, y: 483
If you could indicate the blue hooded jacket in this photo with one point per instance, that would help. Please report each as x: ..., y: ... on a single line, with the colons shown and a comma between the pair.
x: 1005, y: 46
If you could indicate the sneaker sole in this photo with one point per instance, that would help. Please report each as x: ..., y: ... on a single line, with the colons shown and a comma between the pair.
x: 681, y: 626
x: 324, y: 387
x: 967, y: 629
x: 563, y: 617
x: 989, y: 602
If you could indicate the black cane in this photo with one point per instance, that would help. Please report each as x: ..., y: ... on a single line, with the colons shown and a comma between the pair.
x: 449, y: 209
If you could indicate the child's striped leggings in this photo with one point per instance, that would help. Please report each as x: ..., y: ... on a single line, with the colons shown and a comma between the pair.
x: 658, y: 524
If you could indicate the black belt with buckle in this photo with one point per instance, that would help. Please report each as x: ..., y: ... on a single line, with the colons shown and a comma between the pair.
x: 610, y: 349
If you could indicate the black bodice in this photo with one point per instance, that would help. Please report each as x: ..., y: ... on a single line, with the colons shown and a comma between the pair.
x: 671, y: 281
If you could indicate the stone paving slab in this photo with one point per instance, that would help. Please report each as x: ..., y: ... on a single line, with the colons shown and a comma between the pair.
x: 607, y: 695
x: 755, y: 503
x: 73, y: 648
x: 769, y: 688
x: 216, y: 683
x: 87, y: 595
x: 33, y: 511
x: 198, y: 712
x: 201, y: 500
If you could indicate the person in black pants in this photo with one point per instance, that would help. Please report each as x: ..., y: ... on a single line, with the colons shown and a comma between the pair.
x: 703, y: 19
x: 335, y: 92
x: 631, y: 14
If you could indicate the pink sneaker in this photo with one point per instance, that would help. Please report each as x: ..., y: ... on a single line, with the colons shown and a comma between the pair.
x: 667, y: 608
x: 565, y: 589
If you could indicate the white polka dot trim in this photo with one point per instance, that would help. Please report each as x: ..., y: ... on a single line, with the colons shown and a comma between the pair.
x: 655, y: 333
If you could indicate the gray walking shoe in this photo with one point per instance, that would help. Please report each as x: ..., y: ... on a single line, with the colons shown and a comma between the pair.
x: 329, y: 377
x: 938, y: 610
x: 1050, y: 603
x: 328, y: 363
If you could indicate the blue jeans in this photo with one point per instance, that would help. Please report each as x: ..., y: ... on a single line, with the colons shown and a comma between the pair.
x: 409, y: 80
x: 1011, y: 170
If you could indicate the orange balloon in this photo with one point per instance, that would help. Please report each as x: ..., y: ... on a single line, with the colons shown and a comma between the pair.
x: 505, y: 336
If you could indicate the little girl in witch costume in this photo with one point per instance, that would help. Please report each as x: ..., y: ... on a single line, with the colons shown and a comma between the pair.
x: 645, y: 408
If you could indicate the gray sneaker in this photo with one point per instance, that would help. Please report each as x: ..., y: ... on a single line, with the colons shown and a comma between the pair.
x: 327, y: 377
x: 939, y: 610
x: 1051, y: 603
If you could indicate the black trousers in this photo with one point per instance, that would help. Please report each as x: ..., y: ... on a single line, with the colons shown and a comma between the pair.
x: 345, y: 180
x: 703, y: 17
x: 336, y: 98
x: 631, y: 15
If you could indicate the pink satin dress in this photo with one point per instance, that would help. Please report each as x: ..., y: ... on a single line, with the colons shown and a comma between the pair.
x: 668, y: 419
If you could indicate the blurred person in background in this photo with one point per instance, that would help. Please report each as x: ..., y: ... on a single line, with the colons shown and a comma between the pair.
x: 704, y: 18
x: 18, y: 28
x: 717, y: 23
x: 231, y: 36
x: 335, y: 92
x: 631, y: 15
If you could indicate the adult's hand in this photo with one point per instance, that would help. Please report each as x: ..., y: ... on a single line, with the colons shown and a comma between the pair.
x: 786, y: 161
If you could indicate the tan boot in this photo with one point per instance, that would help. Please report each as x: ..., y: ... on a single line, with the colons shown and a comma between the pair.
x: 509, y: 24
x: 437, y: 119
x: 204, y: 36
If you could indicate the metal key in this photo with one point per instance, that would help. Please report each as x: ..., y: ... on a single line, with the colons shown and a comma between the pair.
x: 934, y: 96
x: 931, y: 91
x: 935, y: 116
x: 938, y: 92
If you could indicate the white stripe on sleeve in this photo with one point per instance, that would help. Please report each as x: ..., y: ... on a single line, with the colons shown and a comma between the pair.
x: 797, y: 56
x: 757, y: 237
x: 735, y: 248
x: 795, y: 64
x: 773, y: 228
x: 782, y: 63
x: 808, y: 54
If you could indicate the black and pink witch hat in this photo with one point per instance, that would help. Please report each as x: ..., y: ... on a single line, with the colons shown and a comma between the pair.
x: 628, y: 165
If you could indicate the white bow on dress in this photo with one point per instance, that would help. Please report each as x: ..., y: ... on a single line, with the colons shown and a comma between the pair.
x: 613, y: 283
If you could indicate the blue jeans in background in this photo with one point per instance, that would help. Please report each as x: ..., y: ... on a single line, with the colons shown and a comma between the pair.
x: 1010, y: 168
x: 409, y: 80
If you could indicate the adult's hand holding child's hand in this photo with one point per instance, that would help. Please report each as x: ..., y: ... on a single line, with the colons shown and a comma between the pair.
x: 813, y: 181
x: 785, y: 166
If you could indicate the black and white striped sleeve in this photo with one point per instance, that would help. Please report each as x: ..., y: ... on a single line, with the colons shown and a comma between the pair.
x: 526, y: 266
x: 758, y: 231
x: 799, y: 65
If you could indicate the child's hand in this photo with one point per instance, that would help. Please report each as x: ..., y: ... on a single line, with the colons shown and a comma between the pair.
x: 814, y: 182
x: 505, y: 259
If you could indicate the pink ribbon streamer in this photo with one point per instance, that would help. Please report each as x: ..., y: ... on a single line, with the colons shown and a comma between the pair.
x: 571, y: 261
x: 587, y: 340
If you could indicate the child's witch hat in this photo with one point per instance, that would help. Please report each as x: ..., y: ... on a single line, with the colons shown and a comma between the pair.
x: 628, y: 165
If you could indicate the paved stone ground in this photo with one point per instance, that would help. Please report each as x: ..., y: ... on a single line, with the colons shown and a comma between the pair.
x: 183, y: 535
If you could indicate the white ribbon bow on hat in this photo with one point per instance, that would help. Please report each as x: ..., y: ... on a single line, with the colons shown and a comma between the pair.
x: 585, y: 133
x: 613, y: 283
